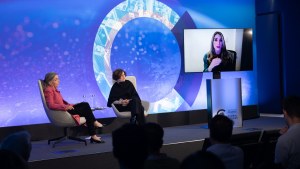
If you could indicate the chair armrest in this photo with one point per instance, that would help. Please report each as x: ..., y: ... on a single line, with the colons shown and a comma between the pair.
x: 123, y: 114
x: 146, y: 106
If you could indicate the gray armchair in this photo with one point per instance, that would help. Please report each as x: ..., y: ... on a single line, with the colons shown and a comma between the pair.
x: 127, y: 114
x: 60, y: 119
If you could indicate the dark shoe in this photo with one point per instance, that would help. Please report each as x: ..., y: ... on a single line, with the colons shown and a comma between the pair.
x: 133, y: 120
x: 100, y: 127
x: 96, y: 141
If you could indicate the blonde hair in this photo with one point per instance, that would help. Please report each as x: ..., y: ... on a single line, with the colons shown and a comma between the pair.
x: 48, y: 77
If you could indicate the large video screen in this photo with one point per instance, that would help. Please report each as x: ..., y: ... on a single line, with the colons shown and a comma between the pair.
x: 208, y: 50
x: 85, y: 41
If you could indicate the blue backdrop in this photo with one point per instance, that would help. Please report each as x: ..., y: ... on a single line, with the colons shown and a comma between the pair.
x: 84, y: 41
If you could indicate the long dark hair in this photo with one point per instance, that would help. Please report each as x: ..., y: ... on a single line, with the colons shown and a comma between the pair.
x: 212, y: 53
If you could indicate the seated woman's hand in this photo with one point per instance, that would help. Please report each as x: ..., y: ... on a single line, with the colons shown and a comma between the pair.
x: 69, y: 107
x: 125, y: 102
x: 215, y: 62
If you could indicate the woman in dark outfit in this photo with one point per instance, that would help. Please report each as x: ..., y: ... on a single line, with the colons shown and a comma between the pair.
x: 124, y: 96
x: 218, y: 58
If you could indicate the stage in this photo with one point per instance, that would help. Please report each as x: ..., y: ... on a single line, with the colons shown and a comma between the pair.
x: 179, y: 141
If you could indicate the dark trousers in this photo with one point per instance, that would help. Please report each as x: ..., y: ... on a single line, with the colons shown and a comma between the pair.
x: 83, y: 109
x: 136, y: 108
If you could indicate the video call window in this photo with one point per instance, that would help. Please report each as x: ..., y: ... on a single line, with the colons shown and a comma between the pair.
x: 203, y: 46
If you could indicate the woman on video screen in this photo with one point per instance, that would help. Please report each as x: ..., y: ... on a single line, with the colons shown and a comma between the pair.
x: 219, y: 58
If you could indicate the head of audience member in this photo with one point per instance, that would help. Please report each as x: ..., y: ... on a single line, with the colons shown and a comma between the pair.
x: 154, y: 134
x: 18, y: 143
x: 220, y: 129
x: 130, y: 146
x: 202, y: 160
x: 291, y: 109
x: 119, y: 75
x: 11, y: 160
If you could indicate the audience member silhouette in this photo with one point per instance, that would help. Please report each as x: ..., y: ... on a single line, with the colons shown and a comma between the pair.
x: 202, y: 160
x: 11, y: 160
x: 19, y: 143
x: 220, y: 130
x: 156, y: 159
x: 130, y: 146
x: 287, y: 151
x: 15, y: 151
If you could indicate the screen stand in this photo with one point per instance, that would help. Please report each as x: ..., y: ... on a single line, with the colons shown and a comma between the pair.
x: 225, y: 96
x: 216, y: 75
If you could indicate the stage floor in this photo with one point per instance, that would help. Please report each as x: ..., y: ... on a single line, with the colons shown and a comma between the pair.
x: 173, y: 135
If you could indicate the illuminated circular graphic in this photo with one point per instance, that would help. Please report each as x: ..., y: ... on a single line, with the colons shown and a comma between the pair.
x: 135, y: 48
x: 128, y: 38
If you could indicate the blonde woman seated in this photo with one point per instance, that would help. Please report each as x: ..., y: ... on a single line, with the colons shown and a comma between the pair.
x: 55, y: 101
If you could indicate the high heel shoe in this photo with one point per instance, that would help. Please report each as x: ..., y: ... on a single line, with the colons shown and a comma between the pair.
x: 96, y: 141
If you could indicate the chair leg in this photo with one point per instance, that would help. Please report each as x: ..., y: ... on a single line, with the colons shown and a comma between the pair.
x: 65, y: 137
x: 77, y: 139
x: 54, y: 139
x: 59, y: 140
